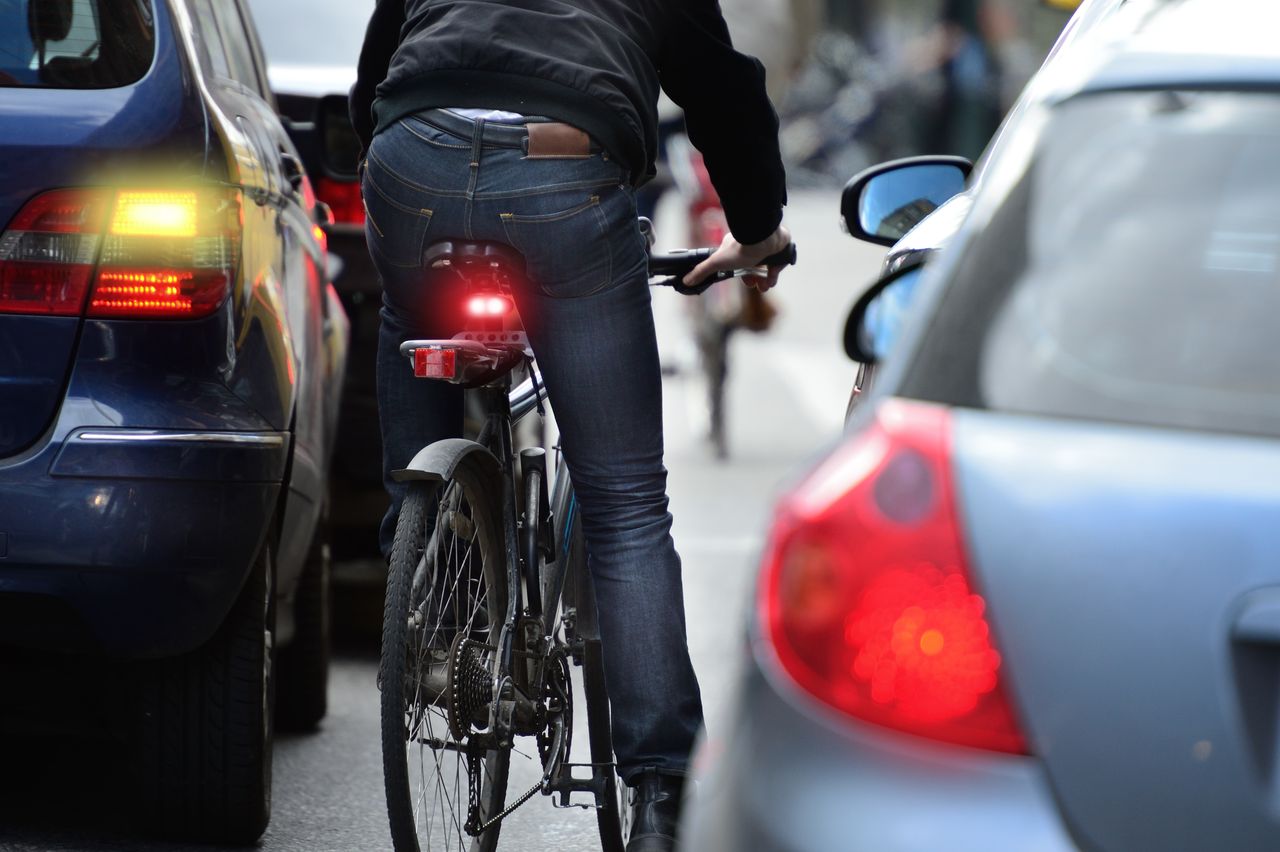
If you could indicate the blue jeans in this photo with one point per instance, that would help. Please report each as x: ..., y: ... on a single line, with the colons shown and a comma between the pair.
x: 587, y: 312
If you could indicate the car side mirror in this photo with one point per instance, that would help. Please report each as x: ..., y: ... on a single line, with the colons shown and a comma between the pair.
x: 883, y: 203
x: 339, y: 145
x: 876, y: 318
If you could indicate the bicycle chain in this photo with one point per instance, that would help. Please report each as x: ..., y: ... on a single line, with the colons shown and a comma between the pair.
x: 475, y: 786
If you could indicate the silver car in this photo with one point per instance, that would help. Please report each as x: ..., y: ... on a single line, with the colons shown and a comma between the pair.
x: 1032, y: 600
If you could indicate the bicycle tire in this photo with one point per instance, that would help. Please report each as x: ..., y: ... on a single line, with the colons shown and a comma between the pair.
x: 612, y: 807
x: 426, y: 575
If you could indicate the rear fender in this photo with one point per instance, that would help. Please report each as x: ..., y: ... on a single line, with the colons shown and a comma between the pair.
x: 437, y: 462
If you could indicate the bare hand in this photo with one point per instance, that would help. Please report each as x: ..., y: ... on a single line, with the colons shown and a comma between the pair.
x: 734, y: 255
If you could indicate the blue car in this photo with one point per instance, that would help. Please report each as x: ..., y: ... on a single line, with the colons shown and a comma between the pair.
x: 171, y: 353
x: 1031, y: 601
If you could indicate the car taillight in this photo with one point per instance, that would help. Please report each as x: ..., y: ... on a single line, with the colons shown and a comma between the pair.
x: 48, y: 252
x: 161, y: 254
x: 343, y: 197
x: 867, y: 598
x: 168, y: 254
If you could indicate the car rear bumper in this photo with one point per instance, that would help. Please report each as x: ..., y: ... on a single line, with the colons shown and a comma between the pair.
x: 783, y: 775
x: 132, y: 542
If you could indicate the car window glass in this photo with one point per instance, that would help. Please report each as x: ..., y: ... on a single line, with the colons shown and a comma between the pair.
x: 83, y: 44
x: 236, y: 43
x: 1132, y: 274
x: 211, y: 38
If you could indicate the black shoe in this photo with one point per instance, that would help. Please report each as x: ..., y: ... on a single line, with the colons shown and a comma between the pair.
x: 655, y: 812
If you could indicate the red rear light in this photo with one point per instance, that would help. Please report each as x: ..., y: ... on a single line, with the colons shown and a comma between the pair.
x: 48, y: 252
x: 488, y: 306
x: 343, y: 197
x: 867, y: 598
x: 431, y: 363
x: 158, y: 253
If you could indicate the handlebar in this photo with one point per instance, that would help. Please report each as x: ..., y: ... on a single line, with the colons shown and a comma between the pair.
x: 679, y: 263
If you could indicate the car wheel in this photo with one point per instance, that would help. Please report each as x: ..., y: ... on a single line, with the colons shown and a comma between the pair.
x: 206, y: 722
x: 302, y: 691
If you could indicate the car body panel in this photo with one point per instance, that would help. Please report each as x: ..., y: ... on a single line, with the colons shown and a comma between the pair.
x: 176, y: 449
x: 1117, y: 629
x: 784, y: 774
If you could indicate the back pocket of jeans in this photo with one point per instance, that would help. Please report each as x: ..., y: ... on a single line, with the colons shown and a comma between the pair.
x: 396, y: 232
x: 567, y: 252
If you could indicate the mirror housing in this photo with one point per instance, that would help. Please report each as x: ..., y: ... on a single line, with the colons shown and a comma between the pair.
x: 859, y: 345
x: 339, y: 148
x: 883, y: 203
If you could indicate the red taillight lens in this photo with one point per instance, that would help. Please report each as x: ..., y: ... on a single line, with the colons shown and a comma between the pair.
x: 48, y: 252
x: 867, y: 598
x: 435, y: 363
x: 343, y: 197
x: 158, y: 253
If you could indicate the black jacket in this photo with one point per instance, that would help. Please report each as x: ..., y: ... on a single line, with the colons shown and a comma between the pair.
x: 596, y: 64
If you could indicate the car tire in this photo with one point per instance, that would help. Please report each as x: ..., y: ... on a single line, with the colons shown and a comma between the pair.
x: 302, y: 690
x: 206, y: 719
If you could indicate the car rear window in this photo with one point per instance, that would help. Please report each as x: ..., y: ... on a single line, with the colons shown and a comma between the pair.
x: 1131, y: 273
x: 75, y: 44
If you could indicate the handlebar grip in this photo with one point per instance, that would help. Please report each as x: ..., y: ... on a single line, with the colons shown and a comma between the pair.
x: 786, y: 257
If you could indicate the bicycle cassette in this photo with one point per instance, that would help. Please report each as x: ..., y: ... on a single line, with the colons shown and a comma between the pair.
x: 470, y: 687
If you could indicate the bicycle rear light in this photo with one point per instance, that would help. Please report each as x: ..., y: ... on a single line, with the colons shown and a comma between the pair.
x: 488, y: 306
x: 867, y: 596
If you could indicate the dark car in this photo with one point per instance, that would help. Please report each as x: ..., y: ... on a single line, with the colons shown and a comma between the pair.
x: 171, y: 356
x: 312, y: 47
x: 1030, y: 602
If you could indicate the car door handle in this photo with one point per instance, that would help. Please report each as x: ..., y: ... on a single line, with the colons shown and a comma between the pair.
x: 1259, y: 618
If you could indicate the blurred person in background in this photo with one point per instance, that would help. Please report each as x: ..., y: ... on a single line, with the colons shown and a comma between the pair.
x: 474, y: 129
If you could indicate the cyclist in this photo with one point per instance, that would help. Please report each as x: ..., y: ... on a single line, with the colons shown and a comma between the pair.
x: 531, y: 124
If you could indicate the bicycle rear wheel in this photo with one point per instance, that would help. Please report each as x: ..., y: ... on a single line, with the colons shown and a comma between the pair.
x: 446, y: 599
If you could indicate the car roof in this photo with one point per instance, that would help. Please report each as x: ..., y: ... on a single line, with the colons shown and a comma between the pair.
x: 1162, y: 44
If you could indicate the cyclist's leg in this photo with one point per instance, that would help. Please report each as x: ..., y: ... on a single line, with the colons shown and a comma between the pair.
x: 402, y: 217
x: 594, y: 336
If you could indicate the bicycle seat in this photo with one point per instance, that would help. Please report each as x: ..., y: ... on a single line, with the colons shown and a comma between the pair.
x: 468, y: 255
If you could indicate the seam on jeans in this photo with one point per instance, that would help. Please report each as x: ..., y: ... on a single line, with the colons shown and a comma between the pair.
x: 547, y: 189
x: 405, y: 124
x: 369, y: 218
x: 398, y: 178
x: 593, y: 201
x: 404, y: 208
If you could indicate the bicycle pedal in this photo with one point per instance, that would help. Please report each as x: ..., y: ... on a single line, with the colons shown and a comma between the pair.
x: 565, y: 785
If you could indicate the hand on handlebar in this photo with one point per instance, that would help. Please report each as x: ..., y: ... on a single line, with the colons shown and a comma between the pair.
x: 734, y: 255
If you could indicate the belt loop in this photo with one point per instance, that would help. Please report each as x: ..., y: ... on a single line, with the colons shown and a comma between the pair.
x: 477, y: 143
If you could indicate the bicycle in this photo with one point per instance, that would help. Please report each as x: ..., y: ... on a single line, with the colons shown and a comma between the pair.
x: 488, y: 601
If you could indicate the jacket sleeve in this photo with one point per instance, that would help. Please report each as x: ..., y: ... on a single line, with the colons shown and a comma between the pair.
x: 380, y: 42
x: 728, y: 115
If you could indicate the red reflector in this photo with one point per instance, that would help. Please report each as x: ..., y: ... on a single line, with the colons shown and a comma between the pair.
x: 435, y: 363
x: 343, y: 197
x: 867, y: 595
x: 156, y: 293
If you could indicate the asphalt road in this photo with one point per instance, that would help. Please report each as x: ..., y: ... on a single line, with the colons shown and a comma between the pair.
x: 787, y: 401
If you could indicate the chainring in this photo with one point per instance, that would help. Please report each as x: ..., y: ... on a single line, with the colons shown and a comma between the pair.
x: 558, y: 695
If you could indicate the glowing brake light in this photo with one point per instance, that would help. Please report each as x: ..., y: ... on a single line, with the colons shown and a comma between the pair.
x: 488, y: 306
x: 867, y: 598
